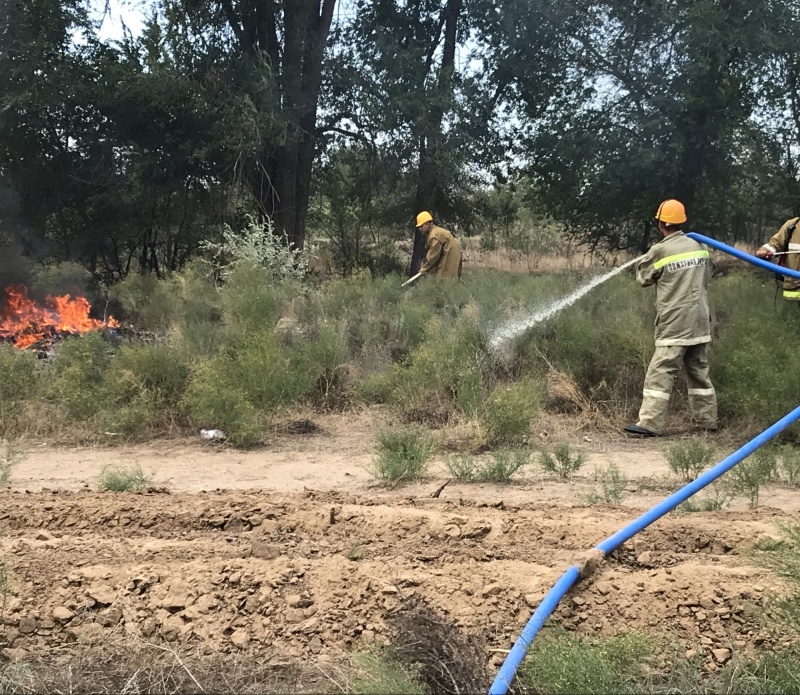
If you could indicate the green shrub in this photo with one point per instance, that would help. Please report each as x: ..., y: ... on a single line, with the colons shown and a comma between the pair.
x: 147, y: 302
x: 143, y: 386
x: 507, y: 413
x: 790, y: 464
x: 10, y: 455
x: 62, y: 278
x: 462, y: 467
x: 561, y: 461
x: 690, y: 458
x: 402, y: 456
x: 17, y: 384
x: 123, y: 478
x: 443, y: 375
x: 80, y: 371
x: 503, y: 465
x: 609, y: 487
x: 752, y: 473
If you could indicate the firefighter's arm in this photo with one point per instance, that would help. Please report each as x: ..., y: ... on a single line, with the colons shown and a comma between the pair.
x: 646, y: 272
x: 778, y: 243
x: 434, y: 254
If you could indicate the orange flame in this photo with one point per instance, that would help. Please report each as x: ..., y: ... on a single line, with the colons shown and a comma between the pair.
x: 23, y: 322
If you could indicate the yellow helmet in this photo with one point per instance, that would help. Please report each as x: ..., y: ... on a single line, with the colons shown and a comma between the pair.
x: 423, y: 217
x: 672, y: 212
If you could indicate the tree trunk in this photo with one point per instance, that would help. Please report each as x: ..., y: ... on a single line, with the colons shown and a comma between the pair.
x: 281, y: 178
x: 429, y: 191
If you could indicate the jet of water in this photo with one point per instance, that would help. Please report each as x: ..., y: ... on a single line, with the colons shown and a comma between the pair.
x: 517, y: 327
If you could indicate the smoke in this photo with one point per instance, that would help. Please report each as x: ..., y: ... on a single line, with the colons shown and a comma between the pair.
x: 15, y: 269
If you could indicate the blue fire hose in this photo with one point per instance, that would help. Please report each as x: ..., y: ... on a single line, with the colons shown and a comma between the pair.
x: 548, y: 604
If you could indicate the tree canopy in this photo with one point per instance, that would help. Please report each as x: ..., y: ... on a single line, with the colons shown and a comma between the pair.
x: 338, y: 121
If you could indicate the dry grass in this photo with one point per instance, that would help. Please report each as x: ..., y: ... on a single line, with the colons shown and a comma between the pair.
x: 126, y: 664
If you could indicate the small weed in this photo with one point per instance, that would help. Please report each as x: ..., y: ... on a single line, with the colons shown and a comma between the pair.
x: 790, y: 464
x: 610, y: 487
x: 11, y: 455
x: 690, y: 458
x: 503, y: 465
x: 121, y: 479
x: 561, y: 461
x: 756, y: 470
x: 719, y: 497
x: 4, y: 587
x: 355, y: 552
x: 402, y: 456
x: 462, y: 467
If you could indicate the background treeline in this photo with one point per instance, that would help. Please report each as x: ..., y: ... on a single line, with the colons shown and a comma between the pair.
x: 337, y: 120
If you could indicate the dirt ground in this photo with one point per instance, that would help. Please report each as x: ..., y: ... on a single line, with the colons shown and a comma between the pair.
x: 292, y: 552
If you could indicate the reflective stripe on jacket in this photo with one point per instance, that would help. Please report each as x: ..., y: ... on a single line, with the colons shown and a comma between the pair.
x: 443, y: 257
x: 780, y: 243
x: 680, y: 268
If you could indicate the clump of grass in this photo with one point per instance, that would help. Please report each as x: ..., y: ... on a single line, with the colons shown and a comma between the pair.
x: 609, y: 487
x: 12, y: 453
x: 690, y: 458
x: 123, y: 479
x: 402, y: 455
x: 379, y: 673
x: 568, y: 663
x: 503, y: 465
x: 756, y: 470
x: 561, y: 461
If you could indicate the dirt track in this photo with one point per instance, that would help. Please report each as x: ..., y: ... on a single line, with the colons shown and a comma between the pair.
x: 315, y: 572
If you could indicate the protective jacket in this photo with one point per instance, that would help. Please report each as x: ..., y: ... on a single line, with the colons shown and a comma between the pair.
x: 443, y: 254
x: 780, y: 243
x: 680, y: 268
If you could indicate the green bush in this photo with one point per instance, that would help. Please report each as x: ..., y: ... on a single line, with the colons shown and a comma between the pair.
x: 690, y: 458
x: 561, y: 461
x: 502, y: 465
x: 719, y: 496
x: 123, y: 478
x: 507, y: 413
x: 11, y: 453
x: 401, y: 456
x: 752, y: 473
x: 790, y: 464
x: 462, y: 467
x: 80, y: 373
x: 147, y: 302
x: 17, y: 384
x: 609, y: 487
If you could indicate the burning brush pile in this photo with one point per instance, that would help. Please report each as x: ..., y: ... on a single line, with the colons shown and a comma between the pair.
x: 27, y: 324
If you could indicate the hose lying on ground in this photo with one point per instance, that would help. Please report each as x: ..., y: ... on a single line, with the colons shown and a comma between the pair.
x: 580, y: 570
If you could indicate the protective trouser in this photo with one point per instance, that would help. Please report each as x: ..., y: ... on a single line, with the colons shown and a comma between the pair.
x: 658, y: 386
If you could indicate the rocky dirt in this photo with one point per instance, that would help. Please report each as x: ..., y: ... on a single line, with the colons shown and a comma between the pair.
x: 309, y: 573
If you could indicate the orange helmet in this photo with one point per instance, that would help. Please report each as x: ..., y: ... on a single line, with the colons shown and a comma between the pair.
x: 423, y: 217
x: 672, y: 212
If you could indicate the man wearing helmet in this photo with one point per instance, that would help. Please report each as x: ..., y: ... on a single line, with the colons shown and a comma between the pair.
x: 680, y: 268
x: 442, y: 250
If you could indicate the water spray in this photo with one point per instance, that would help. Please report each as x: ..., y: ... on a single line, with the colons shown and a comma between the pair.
x: 504, y: 334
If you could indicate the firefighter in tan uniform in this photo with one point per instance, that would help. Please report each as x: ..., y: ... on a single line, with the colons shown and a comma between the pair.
x: 789, y: 250
x: 442, y: 252
x: 680, y: 268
